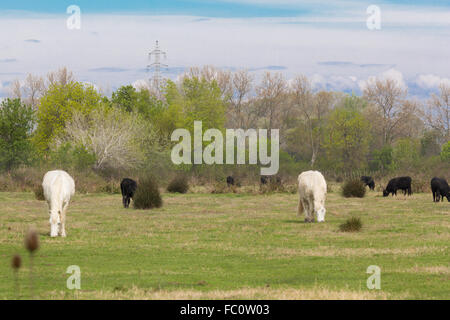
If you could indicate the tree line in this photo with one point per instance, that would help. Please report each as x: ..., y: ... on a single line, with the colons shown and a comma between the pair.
x: 56, y: 120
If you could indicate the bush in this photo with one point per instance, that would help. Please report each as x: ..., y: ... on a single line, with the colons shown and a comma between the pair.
x: 179, y: 184
x: 352, y: 224
x: 147, y: 194
x: 420, y: 185
x: 39, y: 193
x: 354, y: 188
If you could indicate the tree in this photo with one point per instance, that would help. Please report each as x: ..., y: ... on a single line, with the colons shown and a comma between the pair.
x: 57, y: 107
x: 445, y: 153
x: 112, y: 135
x: 125, y: 98
x: 271, y: 93
x: 312, y: 110
x: 194, y: 99
x: 438, y: 113
x: 240, y: 112
x: 406, y: 153
x: 386, y: 96
x: 16, y: 124
x: 346, y: 139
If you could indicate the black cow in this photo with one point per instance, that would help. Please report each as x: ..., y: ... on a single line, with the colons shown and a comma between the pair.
x: 271, y: 179
x: 230, y: 181
x: 128, y: 187
x: 440, y: 189
x: 368, y: 181
x: 402, y: 183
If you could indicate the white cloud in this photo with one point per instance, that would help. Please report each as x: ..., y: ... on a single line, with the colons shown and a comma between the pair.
x: 141, y: 84
x: 431, y: 81
x: 391, y: 74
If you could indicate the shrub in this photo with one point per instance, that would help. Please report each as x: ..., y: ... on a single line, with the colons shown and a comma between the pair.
x: 420, y: 185
x: 354, y: 188
x: 147, y: 194
x: 352, y: 224
x: 179, y: 184
x: 39, y: 193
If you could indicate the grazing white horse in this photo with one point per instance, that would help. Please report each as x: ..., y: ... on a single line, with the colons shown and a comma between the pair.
x: 312, y: 189
x: 58, y: 187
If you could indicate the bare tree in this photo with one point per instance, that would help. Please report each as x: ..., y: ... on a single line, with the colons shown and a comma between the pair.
x: 271, y: 96
x: 62, y: 77
x: 437, y: 114
x: 240, y: 108
x: 410, y: 125
x: 112, y: 135
x: 29, y: 91
x: 387, y: 96
x: 312, y: 108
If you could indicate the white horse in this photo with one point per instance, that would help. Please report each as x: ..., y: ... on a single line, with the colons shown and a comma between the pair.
x: 58, y: 187
x: 312, y: 189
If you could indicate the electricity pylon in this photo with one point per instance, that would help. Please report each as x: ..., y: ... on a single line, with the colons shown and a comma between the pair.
x: 156, y: 80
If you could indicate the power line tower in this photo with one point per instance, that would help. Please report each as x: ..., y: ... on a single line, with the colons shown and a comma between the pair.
x: 156, y: 80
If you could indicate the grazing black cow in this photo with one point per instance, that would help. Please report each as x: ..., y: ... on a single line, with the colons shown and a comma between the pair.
x: 128, y: 187
x: 368, y: 181
x: 264, y: 179
x: 271, y: 179
x: 440, y: 189
x: 230, y: 181
x: 402, y: 183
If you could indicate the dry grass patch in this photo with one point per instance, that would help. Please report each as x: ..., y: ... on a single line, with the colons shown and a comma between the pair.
x: 315, y: 293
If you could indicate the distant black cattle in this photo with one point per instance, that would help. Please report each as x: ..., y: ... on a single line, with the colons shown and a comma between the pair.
x: 368, y: 181
x: 128, y: 187
x: 230, y: 181
x: 264, y: 179
x: 440, y: 189
x: 399, y: 183
x: 271, y: 179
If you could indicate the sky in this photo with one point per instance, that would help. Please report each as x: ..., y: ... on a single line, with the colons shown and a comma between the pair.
x: 328, y: 41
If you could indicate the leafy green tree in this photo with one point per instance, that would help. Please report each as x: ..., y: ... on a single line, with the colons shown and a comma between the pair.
x: 57, y: 107
x: 125, y: 98
x: 381, y: 159
x: 445, y: 153
x: 16, y: 124
x: 194, y: 100
x: 406, y: 153
x: 346, y: 139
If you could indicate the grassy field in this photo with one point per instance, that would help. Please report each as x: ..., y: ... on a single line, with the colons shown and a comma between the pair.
x: 233, y: 246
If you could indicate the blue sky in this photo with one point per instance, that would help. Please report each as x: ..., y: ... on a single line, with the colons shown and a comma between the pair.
x: 326, y: 40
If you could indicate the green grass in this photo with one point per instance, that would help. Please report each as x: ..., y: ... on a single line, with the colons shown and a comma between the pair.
x: 230, y: 246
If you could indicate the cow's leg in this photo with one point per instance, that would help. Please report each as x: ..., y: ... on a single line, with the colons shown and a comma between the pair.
x: 128, y: 201
x: 63, y: 219
x: 124, y: 201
